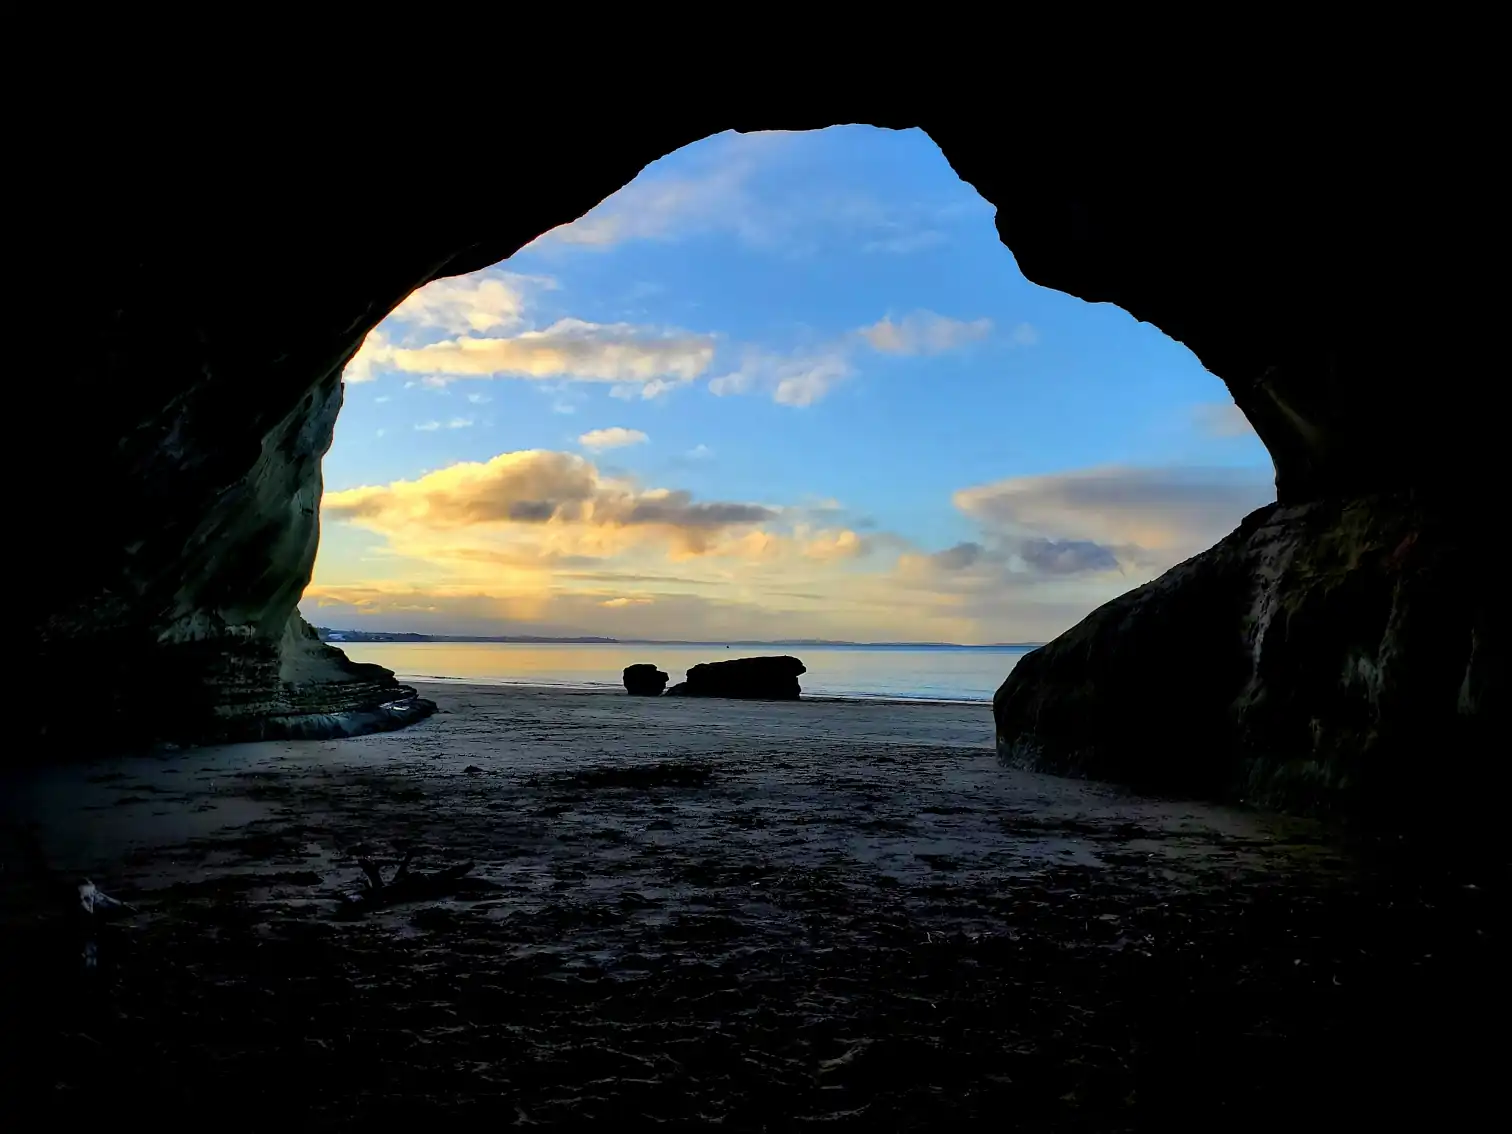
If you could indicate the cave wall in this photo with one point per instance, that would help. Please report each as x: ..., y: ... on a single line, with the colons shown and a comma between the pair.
x: 1343, y: 655
x: 210, y: 285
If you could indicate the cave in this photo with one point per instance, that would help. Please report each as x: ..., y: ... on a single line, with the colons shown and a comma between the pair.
x: 210, y: 301
x: 198, y: 272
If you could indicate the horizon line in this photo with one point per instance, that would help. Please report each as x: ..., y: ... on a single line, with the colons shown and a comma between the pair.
x: 591, y: 639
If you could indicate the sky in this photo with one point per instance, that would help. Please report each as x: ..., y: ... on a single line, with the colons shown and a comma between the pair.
x: 781, y: 385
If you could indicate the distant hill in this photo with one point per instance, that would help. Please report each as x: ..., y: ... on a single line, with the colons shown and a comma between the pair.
x: 328, y: 634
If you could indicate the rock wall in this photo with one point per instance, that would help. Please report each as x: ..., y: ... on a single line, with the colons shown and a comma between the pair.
x: 1336, y: 655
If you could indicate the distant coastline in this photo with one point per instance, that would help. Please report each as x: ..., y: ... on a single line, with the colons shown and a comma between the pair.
x: 338, y: 636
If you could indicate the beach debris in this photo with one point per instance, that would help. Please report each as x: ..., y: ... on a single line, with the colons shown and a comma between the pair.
x: 93, y: 900
x: 406, y: 885
x: 664, y: 773
x: 93, y: 909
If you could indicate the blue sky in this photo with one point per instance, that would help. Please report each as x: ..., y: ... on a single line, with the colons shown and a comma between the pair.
x: 781, y: 385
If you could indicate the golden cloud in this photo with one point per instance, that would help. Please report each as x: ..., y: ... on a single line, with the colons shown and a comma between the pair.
x: 545, y: 539
x: 559, y: 492
x: 569, y: 348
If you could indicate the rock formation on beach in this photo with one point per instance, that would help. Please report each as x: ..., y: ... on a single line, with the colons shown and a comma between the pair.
x: 756, y: 679
x: 1338, y: 301
x: 1310, y: 660
x: 645, y: 680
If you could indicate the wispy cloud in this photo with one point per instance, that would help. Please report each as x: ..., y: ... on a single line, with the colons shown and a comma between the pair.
x: 615, y: 437
x: 659, y: 205
x: 923, y: 332
x: 803, y: 377
x: 798, y: 379
x: 740, y: 185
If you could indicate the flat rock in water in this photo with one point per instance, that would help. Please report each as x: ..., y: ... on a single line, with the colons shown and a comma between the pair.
x: 644, y: 680
x: 761, y: 679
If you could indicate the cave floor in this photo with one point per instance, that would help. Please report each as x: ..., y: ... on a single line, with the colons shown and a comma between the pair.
x: 760, y: 917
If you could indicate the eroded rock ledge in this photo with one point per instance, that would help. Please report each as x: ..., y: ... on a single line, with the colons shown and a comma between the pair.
x: 1325, y: 656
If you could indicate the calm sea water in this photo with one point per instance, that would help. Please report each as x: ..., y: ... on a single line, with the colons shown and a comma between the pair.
x: 936, y: 673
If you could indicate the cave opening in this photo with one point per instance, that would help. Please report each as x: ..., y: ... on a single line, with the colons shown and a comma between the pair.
x: 781, y: 387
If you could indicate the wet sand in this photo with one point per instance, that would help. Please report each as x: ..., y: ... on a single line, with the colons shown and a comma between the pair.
x: 757, y: 916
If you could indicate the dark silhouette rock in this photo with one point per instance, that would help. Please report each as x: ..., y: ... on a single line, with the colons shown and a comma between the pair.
x: 644, y: 680
x: 756, y: 679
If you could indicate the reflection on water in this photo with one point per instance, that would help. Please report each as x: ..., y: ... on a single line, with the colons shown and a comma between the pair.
x: 944, y: 673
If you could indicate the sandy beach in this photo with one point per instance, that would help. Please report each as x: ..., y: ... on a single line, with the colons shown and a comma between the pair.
x: 685, y: 912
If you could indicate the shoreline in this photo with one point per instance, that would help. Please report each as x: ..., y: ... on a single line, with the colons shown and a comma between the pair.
x: 606, y: 687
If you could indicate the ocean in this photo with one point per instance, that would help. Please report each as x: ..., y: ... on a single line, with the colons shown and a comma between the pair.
x: 927, y: 673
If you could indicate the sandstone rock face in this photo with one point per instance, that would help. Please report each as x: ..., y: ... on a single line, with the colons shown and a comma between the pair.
x: 644, y: 680
x: 756, y: 679
x: 1324, y: 656
x: 210, y: 301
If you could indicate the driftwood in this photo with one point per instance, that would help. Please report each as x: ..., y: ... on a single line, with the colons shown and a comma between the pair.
x: 407, y: 885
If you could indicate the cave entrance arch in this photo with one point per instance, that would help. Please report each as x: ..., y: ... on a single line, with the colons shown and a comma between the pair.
x: 449, y: 387
x: 228, y: 290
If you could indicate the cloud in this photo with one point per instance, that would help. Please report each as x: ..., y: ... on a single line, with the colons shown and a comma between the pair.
x: 615, y: 437
x: 1025, y: 334
x: 1113, y: 518
x: 569, y: 348
x: 483, y: 301
x: 741, y: 186
x: 713, y: 195
x: 585, y: 510
x: 802, y: 383
x: 959, y: 557
x: 832, y: 545
x: 1222, y: 419
x: 923, y: 333
x: 550, y: 541
x: 370, y: 357
x: 490, y: 300
x: 646, y: 391
x: 798, y: 379
x: 1066, y: 556
x: 803, y: 377
x: 699, y: 452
